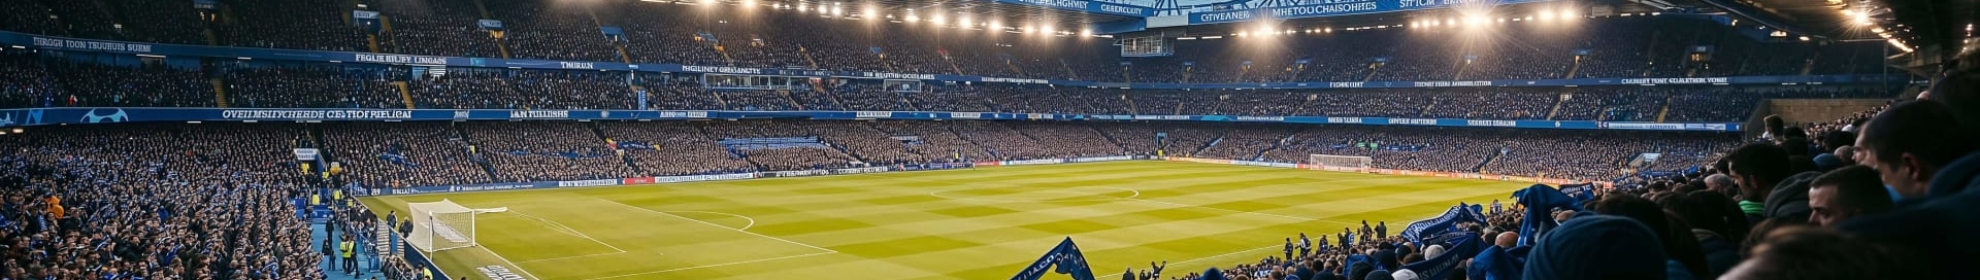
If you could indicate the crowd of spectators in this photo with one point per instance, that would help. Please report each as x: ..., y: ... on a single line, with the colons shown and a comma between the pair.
x: 311, y: 87
x: 148, y: 85
x: 546, y: 151
x: 673, y: 149
x: 559, y: 30
x: 434, y: 27
x: 1626, y: 47
x: 154, y: 202
x: 516, y: 89
x: 324, y: 25
x: 398, y: 155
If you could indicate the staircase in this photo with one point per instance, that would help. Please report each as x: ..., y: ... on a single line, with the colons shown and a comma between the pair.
x: 718, y: 99
x: 1574, y: 69
x: 1069, y: 70
x: 1372, y: 69
x: 1556, y: 111
x: 835, y: 99
x: 219, y: 92
x: 1132, y: 110
x: 1666, y: 111
x: 814, y: 62
x: 1488, y: 160
x: 474, y: 154
x: 405, y: 94
x: 1808, y: 67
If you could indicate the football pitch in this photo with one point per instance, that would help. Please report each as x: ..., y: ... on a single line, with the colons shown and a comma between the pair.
x: 976, y: 224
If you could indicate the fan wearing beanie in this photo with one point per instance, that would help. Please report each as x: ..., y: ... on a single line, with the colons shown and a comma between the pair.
x: 1592, y: 246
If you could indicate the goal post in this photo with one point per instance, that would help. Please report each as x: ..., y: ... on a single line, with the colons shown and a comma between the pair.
x: 1358, y: 164
x: 443, y: 225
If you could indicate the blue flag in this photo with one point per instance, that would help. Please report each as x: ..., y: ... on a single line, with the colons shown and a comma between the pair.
x: 1539, y: 200
x: 1066, y: 257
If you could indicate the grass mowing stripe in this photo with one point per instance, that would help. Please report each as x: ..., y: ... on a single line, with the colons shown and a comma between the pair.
x: 889, y: 226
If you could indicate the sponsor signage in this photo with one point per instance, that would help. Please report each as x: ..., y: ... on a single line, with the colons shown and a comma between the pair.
x: 306, y: 154
x: 1326, y: 8
x: 588, y: 183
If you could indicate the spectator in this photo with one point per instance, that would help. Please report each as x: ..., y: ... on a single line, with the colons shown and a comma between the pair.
x: 1909, y: 142
x: 1846, y: 193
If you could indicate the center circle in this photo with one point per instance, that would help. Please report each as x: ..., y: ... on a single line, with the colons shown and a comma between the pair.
x: 1040, y: 194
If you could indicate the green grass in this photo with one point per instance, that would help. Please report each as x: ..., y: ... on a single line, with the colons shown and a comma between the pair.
x: 976, y: 224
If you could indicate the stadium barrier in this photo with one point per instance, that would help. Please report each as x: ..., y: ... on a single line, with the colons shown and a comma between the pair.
x: 724, y: 177
x: 1463, y: 175
x: 39, y: 42
x: 98, y: 115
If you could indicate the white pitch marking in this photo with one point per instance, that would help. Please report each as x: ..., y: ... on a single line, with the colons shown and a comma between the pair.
x: 519, y: 268
x: 716, y: 265
x: 752, y: 222
x: 716, y: 225
x: 572, y: 231
x: 1222, y: 209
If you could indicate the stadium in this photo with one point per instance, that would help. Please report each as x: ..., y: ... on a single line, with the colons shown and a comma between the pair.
x: 1003, y: 139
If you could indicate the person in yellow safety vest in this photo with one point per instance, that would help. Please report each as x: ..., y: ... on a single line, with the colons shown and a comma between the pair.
x: 350, y: 255
x: 428, y: 272
x: 337, y: 194
x: 316, y: 199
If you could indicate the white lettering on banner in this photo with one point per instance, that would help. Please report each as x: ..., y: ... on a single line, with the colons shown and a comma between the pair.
x: 1644, y: 126
x: 404, y: 59
x: 1121, y: 9
x: 492, y: 187
x: 966, y: 115
x: 1099, y: 159
x: 575, y: 65
x: 318, y: 114
x: 1345, y: 84
x: 1262, y: 119
x: 1674, y: 81
x: 498, y: 272
x: 1470, y: 83
x: 306, y: 154
x: 697, y: 178
x: 90, y: 45
x: 1069, y: 4
x: 1034, y: 162
x: 1147, y: 117
x: 673, y: 114
x: 1503, y: 123
x: 536, y: 114
x: 1343, y: 120
x: 1302, y: 11
x: 588, y: 183
x: 1412, y: 121
x: 460, y: 114
x: 698, y: 114
x: 873, y: 114
x: 721, y: 69
x: 1239, y: 15
x: 859, y: 170
x: 1015, y: 80
x: 883, y: 75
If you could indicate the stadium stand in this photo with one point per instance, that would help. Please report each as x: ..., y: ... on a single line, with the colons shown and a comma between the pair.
x: 170, y: 200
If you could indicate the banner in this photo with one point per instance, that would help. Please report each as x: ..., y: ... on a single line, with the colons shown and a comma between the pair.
x: 698, y: 178
x: 588, y: 183
x: 636, y: 181
x: 1458, y: 247
x: 1326, y: 8
x: 1066, y: 257
x: 1033, y: 162
x: 306, y: 154
x: 1095, y: 7
x: 489, y: 24
x: 1447, y: 222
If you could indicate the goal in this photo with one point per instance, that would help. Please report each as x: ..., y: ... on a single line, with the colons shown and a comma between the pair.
x: 443, y: 225
x: 1359, y: 164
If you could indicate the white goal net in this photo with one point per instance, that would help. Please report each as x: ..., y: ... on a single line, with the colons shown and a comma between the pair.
x: 443, y: 225
x: 1339, y: 163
